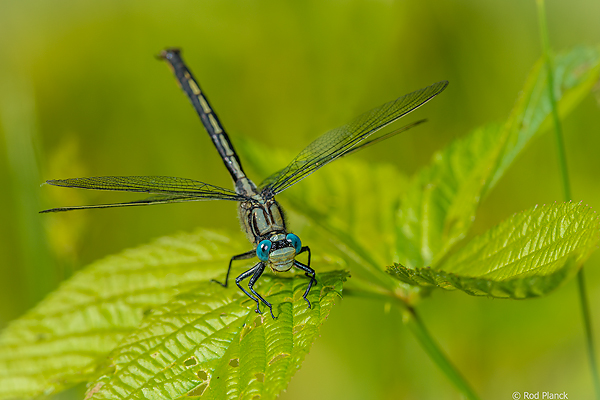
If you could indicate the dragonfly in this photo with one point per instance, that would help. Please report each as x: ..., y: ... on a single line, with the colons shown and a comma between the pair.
x: 261, y: 216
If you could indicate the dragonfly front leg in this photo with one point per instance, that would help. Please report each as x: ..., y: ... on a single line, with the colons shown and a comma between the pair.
x: 253, y: 280
x: 304, y: 249
x: 243, y: 256
x: 255, y: 273
x: 245, y: 275
x: 309, y: 272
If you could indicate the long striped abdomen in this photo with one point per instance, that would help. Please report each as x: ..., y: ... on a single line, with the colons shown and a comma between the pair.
x: 207, y: 115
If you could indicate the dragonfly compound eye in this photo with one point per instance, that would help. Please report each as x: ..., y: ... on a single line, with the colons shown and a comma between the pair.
x: 263, y: 249
x: 295, y: 241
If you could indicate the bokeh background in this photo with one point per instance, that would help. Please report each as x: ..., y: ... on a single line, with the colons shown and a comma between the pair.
x: 82, y: 95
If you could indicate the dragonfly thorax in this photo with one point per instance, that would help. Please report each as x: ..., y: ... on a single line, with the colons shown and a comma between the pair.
x: 262, y: 219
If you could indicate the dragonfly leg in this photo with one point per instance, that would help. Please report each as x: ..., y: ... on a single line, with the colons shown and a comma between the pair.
x: 245, y: 275
x: 304, y: 249
x: 253, y: 280
x: 309, y: 272
x: 243, y: 256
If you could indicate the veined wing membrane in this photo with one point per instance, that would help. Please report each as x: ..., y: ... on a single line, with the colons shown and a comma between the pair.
x: 378, y: 139
x: 167, y: 190
x: 158, y: 199
x: 348, y: 138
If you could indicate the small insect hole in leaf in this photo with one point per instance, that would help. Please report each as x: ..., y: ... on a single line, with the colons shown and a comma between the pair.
x: 147, y: 312
x: 198, y: 391
x: 234, y: 362
x: 190, y: 361
x: 278, y: 357
x: 202, y: 375
x: 256, y: 397
x: 154, y: 355
x: 260, y: 376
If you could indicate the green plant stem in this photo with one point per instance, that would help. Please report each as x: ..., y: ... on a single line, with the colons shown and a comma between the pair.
x: 560, y: 142
x: 416, y: 326
x: 587, y: 322
x: 562, y: 161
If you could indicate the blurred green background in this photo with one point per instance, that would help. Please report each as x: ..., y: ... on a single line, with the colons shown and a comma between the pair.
x: 82, y: 95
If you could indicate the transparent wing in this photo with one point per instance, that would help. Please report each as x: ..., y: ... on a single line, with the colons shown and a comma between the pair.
x: 348, y: 138
x: 158, y: 199
x: 367, y: 143
x: 167, y: 190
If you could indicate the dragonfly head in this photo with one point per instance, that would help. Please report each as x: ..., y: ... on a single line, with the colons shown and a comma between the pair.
x: 279, y: 251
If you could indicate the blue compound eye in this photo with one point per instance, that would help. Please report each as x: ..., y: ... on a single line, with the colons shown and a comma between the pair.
x: 263, y: 249
x: 295, y: 241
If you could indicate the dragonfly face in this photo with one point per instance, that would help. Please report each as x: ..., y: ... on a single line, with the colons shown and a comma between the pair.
x: 279, y: 251
x: 261, y: 217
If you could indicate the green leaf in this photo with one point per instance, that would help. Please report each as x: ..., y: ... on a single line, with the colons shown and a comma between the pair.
x: 440, y: 204
x: 527, y: 255
x: 66, y: 338
x: 59, y: 342
x: 208, y: 342
x: 575, y: 73
x: 438, y: 209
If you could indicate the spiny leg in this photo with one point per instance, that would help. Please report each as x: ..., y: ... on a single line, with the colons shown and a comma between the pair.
x: 253, y: 280
x: 245, y: 275
x: 243, y: 256
x: 309, y: 272
x: 304, y: 249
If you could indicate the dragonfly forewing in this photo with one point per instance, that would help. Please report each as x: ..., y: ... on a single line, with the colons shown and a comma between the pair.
x: 169, y: 190
x: 347, y: 138
x: 158, y: 199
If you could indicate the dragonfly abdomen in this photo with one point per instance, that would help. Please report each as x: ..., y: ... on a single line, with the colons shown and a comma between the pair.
x: 208, y: 117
